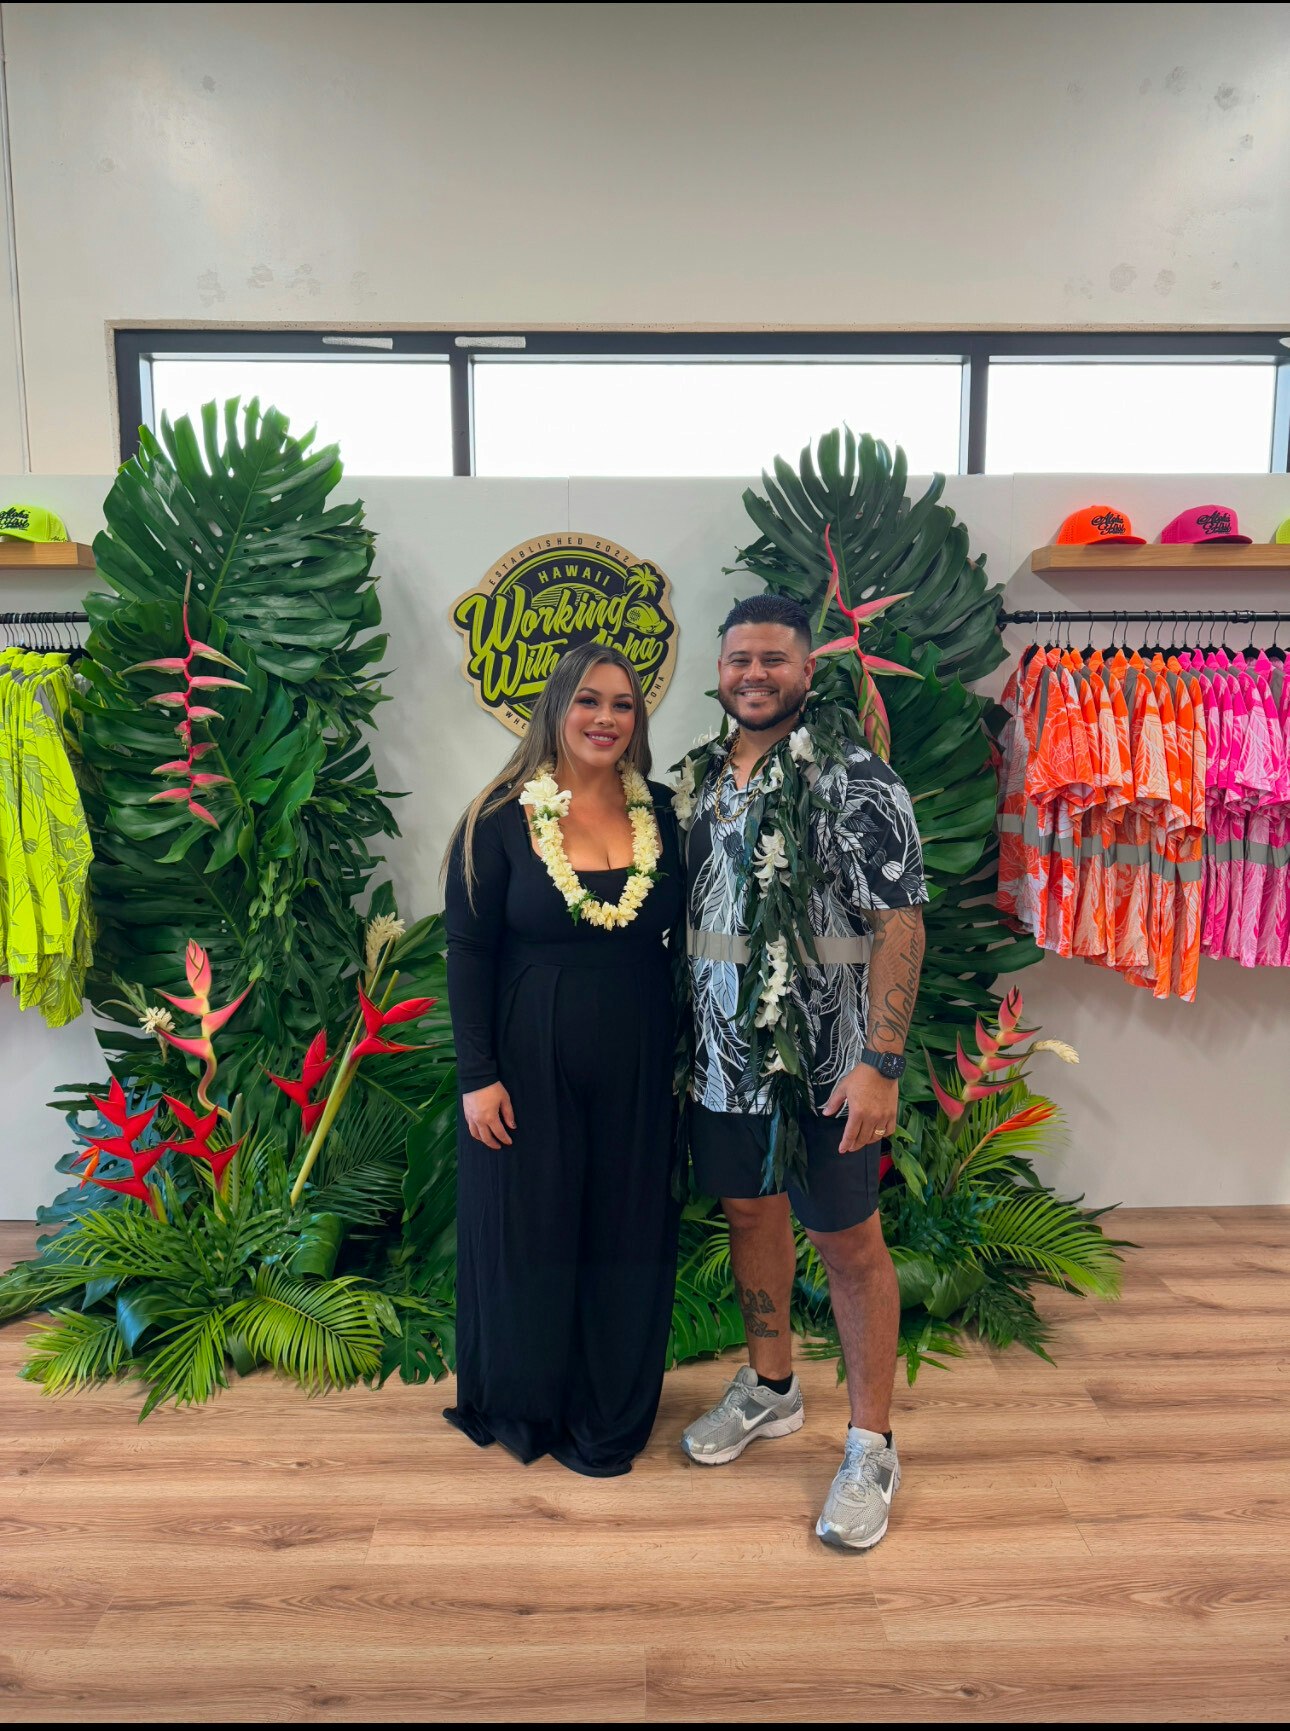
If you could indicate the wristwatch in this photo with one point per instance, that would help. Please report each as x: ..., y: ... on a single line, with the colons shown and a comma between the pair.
x: 888, y: 1064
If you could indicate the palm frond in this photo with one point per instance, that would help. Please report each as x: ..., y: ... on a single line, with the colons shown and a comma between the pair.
x: 187, y: 1364
x: 1003, y: 1313
x: 1057, y: 1240
x: 31, y: 1285
x: 324, y: 1333
x: 74, y: 1350
x: 1004, y: 1130
x: 128, y: 1243
x: 364, y: 1161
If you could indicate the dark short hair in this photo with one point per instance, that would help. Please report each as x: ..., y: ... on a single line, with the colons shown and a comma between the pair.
x: 770, y: 610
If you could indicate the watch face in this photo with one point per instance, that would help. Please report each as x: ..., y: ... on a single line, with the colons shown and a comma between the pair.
x: 892, y: 1065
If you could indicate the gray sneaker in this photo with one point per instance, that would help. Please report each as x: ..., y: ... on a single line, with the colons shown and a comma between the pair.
x: 746, y: 1410
x: 857, y: 1506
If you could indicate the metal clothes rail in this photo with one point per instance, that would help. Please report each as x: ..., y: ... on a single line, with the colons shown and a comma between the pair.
x: 44, y: 618
x: 1165, y: 616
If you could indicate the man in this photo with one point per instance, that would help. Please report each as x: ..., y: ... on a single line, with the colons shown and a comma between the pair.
x: 858, y: 1002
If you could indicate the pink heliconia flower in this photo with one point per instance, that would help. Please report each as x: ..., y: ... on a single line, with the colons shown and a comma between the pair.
x: 193, y: 682
x: 950, y: 1104
x: 198, y: 968
x: 1010, y: 1012
x: 969, y: 1071
x: 986, y: 1043
x: 857, y: 615
x: 873, y: 711
x: 982, y: 1090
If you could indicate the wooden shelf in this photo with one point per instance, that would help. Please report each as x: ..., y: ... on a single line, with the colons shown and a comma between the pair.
x: 46, y: 556
x: 1261, y: 556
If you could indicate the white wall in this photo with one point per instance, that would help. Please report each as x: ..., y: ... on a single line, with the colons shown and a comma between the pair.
x: 718, y: 165
x: 1172, y: 1104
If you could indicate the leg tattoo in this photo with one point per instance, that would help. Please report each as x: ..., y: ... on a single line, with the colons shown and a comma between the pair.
x: 755, y: 1306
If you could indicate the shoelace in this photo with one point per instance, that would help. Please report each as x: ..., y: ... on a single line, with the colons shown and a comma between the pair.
x: 735, y: 1397
x: 858, y: 1474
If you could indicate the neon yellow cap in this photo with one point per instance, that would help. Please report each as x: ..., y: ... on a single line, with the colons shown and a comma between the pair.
x: 1283, y: 533
x: 31, y: 523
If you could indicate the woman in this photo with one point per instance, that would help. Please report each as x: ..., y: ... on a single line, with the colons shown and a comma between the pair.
x: 566, y: 1225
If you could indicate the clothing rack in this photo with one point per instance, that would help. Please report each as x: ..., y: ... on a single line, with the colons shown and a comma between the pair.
x: 1181, y: 615
x: 44, y: 618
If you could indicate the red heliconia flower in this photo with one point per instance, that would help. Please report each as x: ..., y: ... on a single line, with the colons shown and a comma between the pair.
x: 1010, y: 1013
x: 374, y: 1020
x: 116, y: 1109
x: 193, y: 1122
x: 316, y: 1066
x: 216, y: 1158
x: 128, y: 1187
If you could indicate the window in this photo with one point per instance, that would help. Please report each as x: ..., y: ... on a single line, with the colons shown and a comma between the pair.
x: 1146, y: 417
x: 703, y: 417
x: 547, y: 403
x: 390, y: 417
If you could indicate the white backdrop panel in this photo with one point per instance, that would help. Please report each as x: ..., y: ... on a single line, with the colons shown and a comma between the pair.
x: 1172, y: 1104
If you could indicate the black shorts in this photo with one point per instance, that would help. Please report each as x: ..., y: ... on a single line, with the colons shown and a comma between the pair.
x: 729, y: 1152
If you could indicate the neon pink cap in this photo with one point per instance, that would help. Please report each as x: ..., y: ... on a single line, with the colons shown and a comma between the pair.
x: 1203, y: 523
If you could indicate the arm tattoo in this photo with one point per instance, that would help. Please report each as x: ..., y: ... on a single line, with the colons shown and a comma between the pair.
x: 894, y: 965
x: 756, y: 1306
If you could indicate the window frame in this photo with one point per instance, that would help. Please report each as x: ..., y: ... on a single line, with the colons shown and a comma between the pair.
x: 135, y: 348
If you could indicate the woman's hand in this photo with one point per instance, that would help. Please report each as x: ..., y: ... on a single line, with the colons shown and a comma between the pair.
x: 489, y: 1115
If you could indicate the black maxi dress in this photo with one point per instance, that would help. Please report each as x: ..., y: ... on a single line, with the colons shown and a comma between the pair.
x: 566, y: 1240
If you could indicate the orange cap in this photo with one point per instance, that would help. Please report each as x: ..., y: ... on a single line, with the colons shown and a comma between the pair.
x: 1098, y: 525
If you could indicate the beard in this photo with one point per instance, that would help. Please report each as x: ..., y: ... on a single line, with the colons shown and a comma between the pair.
x: 791, y: 705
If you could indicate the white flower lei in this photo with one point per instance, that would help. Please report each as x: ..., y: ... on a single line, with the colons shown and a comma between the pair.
x: 549, y: 803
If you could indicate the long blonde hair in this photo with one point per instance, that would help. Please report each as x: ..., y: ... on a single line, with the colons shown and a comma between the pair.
x: 541, y: 744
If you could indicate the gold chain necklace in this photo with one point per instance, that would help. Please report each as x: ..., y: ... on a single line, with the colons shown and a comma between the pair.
x: 753, y: 781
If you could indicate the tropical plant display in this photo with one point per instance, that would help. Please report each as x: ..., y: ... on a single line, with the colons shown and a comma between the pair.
x: 232, y: 802
x: 222, y: 1267
x: 971, y: 1227
x: 839, y: 535
x: 273, y: 1181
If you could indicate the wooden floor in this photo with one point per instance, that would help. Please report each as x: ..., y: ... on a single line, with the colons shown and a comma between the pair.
x: 1105, y: 1540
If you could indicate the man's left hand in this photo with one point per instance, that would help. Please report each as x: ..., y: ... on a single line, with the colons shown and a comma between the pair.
x: 870, y: 1102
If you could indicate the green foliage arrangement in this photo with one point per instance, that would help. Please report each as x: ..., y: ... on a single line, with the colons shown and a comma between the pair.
x: 233, y: 806
x: 225, y: 1267
x: 971, y: 1227
x: 232, y: 801
x: 231, y: 541
x: 838, y: 534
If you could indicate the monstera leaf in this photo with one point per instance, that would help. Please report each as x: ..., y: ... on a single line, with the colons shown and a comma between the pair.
x: 279, y: 585
x: 884, y: 546
x: 946, y: 629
